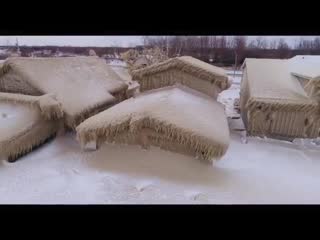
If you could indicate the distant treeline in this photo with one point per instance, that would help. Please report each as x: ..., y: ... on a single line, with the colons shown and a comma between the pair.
x: 100, y: 51
x: 219, y: 50
x: 225, y: 51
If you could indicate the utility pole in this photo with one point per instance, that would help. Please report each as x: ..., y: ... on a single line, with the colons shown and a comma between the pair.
x: 17, y: 46
x: 235, y: 63
x: 167, y: 43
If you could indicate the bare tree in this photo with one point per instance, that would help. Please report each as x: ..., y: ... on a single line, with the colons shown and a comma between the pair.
x: 222, y: 43
x: 316, y: 43
x: 8, y: 43
x: 239, y: 44
x: 191, y: 43
x: 283, y: 48
x: 273, y: 44
x: 213, y: 42
x: 258, y: 43
x: 146, y: 40
x: 158, y: 41
x: 308, y: 45
x: 229, y: 42
x: 177, y: 44
x: 204, y: 44
x: 261, y: 43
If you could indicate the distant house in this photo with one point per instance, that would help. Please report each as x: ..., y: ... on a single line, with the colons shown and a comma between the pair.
x: 188, y: 71
x: 15, y: 54
x: 47, y: 53
x: 36, y: 54
x: 42, y: 53
x: 92, y: 52
x: 58, y: 53
x: 278, y: 97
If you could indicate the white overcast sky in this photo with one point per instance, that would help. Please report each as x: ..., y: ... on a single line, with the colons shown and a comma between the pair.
x: 99, y: 41
x: 102, y: 41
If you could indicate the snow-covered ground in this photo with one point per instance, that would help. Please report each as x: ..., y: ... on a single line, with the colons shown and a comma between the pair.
x: 228, y: 96
x: 232, y: 72
x: 259, y: 171
x: 116, y: 62
x: 3, y: 51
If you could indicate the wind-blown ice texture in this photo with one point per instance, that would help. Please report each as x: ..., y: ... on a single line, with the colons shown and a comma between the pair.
x: 84, y: 85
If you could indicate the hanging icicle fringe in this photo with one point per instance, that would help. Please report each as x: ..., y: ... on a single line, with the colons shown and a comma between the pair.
x: 160, y: 134
x: 24, y: 142
x: 185, y: 70
x: 157, y: 118
x: 274, y: 104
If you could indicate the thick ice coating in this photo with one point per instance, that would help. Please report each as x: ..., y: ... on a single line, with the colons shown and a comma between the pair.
x: 188, y: 71
x: 174, y: 118
x: 83, y: 85
x: 26, y: 122
x: 274, y: 103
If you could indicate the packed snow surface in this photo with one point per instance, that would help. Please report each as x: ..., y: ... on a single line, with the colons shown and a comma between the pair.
x: 253, y: 171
